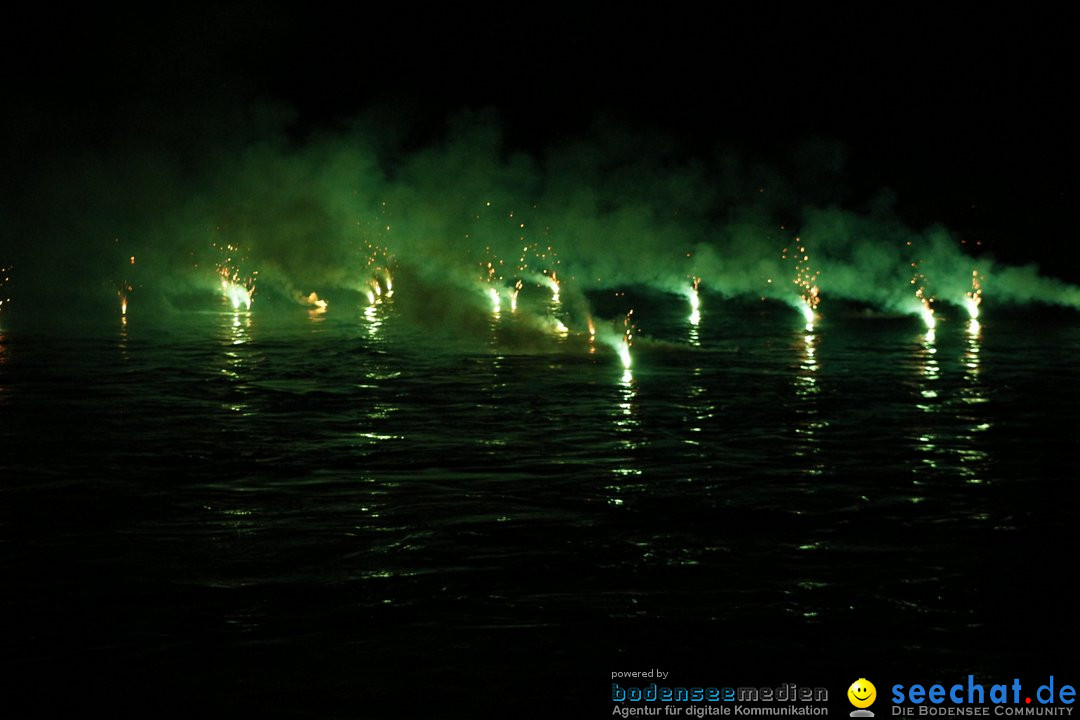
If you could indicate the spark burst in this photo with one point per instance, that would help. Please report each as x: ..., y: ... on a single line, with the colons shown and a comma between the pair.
x: 806, y: 279
x: 926, y: 309
x: 5, y: 280
x: 237, y: 288
x: 627, y: 340
x: 124, y: 291
x: 493, y: 277
x: 380, y: 281
x: 545, y: 258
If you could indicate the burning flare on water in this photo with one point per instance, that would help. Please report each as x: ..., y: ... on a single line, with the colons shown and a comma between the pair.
x: 973, y: 298
x: 695, y: 302
x: 926, y: 309
x: 237, y: 294
x: 123, y: 292
x: 317, y: 306
x: 552, y: 281
x: 627, y: 340
x: 237, y: 289
x: 806, y: 279
x: 514, y: 296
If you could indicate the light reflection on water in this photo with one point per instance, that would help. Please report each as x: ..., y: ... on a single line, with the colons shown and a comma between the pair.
x: 732, y: 483
x: 973, y: 458
x: 626, y: 424
x: 235, y: 334
x: 810, y: 424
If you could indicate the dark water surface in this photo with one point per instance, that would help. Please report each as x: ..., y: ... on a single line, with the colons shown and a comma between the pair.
x: 348, y: 516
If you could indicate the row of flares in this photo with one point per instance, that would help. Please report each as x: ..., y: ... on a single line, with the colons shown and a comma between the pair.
x: 502, y: 290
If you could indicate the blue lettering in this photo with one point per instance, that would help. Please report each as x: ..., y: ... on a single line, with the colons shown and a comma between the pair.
x: 897, y: 694
x: 617, y: 693
x: 972, y: 687
x: 1049, y: 689
x: 937, y: 694
x: 665, y: 694
x: 1067, y: 690
x: 916, y: 693
x: 957, y: 694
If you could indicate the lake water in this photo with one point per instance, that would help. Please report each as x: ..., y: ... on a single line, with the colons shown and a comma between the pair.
x: 348, y: 515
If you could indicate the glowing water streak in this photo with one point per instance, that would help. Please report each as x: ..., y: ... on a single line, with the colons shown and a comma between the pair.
x: 373, y: 319
x: 496, y: 302
x: 806, y: 380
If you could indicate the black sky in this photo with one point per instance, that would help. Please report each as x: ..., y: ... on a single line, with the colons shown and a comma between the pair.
x: 966, y: 117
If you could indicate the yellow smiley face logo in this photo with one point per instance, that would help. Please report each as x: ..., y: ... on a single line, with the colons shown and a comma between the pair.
x: 862, y: 693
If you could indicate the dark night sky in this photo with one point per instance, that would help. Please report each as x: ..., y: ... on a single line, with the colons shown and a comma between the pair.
x: 965, y: 117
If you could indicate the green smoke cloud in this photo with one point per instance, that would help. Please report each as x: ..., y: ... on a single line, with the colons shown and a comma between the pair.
x: 462, y: 213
